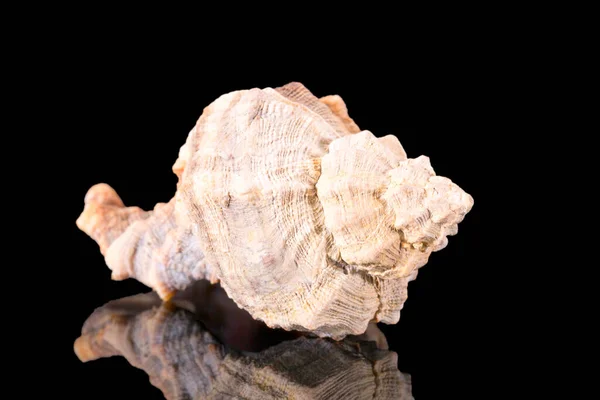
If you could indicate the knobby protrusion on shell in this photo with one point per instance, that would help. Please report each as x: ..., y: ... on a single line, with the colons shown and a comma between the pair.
x: 150, y: 246
x: 309, y: 223
x: 184, y: 360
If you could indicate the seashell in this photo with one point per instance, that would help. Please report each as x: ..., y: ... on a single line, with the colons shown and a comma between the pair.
x: 184, y: 360
x: 307, y: 222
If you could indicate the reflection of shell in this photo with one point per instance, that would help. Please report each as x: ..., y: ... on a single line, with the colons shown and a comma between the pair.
x: 185, y: 361
x: 308, y: 223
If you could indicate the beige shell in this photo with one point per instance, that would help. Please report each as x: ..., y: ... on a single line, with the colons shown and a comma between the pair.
x: 185, y: 361
x: 309, y: 223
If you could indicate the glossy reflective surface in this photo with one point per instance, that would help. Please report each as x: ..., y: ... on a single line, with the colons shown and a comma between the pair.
x: 201, y: 345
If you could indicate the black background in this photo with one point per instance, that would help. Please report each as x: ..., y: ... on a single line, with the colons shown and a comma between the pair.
x: 128, y: 110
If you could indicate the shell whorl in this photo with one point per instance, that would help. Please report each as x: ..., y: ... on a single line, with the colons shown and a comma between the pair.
x: 302, y: 216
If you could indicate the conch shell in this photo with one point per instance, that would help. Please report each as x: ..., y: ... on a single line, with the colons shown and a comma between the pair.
x: 307, y: 222
x: 185, y: 361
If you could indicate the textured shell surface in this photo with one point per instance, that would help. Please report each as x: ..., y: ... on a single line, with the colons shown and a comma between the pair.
x: 308, y: 222
x: 305, y: 218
